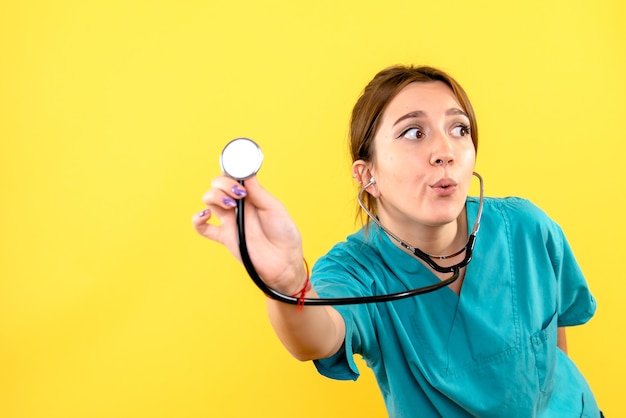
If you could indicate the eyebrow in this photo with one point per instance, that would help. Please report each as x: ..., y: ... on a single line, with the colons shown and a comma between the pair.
x: 420, y: 114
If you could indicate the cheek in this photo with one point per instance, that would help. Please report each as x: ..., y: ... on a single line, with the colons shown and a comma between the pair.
x: 468, y: 156
x: 470, y: 164
x: 387, y: 159
x: 383, y: 164
x: 392, y: 169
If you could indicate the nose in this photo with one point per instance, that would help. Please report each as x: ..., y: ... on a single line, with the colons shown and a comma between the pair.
x: 442, y: 153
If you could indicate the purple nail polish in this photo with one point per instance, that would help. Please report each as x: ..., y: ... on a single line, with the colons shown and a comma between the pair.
x: 203, y: 213
x: 238, y: 191
x: 229, y: 202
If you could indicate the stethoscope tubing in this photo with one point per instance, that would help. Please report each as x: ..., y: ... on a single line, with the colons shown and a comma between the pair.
x: 355, y: 300
x: 241, y: 173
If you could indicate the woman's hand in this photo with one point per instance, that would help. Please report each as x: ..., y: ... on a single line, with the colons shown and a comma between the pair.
x: 275, y: 248
x: 273, y: 240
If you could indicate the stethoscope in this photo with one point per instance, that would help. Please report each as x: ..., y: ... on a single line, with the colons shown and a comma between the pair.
x: 242, y: 159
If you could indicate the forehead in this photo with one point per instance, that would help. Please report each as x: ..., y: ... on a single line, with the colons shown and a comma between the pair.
x: 427, y: 96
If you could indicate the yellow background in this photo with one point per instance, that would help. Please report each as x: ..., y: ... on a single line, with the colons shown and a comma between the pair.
x: 112, y: 117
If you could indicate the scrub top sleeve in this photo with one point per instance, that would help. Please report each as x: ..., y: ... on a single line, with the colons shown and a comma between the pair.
x: 332, y: 277
x: 576, y: 305
x: 341, y: 365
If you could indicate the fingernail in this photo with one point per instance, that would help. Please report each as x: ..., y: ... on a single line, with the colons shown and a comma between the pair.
x: 204, y: 213
x: 238, y: 191
x: 229, y: 202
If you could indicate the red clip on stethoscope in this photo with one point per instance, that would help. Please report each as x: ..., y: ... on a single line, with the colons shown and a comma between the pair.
x: 242, y: 158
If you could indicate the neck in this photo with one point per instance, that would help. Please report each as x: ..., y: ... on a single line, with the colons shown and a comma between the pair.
x: 441, y: 240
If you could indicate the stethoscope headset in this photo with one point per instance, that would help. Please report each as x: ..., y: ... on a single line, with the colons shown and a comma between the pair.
x: 242, y: 159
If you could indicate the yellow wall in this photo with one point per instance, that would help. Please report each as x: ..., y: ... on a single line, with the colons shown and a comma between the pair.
x: 112, y: 116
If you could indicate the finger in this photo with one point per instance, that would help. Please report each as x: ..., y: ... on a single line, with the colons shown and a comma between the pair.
x: 229, y: 186
x: 233, y: 190
x: 218, y: 198
x: 258, y: 195
x: 200, y: 222
x: 218, y: 233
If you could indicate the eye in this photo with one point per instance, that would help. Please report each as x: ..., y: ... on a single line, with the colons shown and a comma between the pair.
x: 412, y: 133
x: 461, y: 130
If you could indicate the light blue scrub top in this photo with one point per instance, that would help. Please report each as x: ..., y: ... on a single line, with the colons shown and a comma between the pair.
x: 490, y: 352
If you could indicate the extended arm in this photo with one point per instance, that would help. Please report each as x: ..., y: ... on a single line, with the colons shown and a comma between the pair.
x: 315, y: 332
x: 275, y: 248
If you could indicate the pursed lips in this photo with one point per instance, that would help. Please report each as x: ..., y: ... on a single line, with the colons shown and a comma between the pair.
x: 444, y: 187
x: 444, y: 183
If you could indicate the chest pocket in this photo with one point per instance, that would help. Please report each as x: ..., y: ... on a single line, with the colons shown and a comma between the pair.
x: 544, y: 348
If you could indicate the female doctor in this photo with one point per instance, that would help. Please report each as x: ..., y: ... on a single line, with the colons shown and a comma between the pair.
x: 491, y: 344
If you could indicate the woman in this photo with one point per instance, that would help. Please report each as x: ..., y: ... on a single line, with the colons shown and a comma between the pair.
x: 492, y: 343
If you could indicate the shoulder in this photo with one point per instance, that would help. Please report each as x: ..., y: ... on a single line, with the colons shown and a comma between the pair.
x: 523, y: 218
x: 356, y: 257
x: 353, y: 250
x: 515, y: 206
x: 518, y: 210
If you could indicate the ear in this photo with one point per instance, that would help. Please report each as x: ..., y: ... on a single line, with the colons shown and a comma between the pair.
x: 362, y: 173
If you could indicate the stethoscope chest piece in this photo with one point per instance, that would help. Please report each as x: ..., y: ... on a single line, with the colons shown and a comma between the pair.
x: 241, y: 158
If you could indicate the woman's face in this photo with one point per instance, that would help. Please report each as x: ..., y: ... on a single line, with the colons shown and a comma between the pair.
x: 423, y: 157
